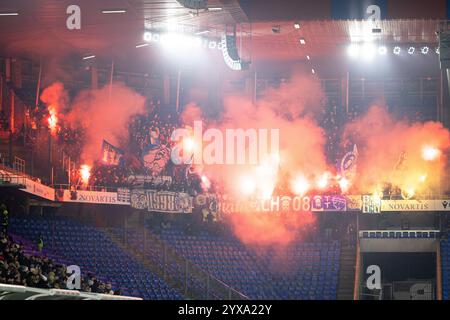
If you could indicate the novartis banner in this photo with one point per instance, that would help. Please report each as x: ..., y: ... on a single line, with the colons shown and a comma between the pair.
x: 94, y: 197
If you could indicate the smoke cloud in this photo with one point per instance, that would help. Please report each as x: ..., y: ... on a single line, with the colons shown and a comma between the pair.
x: 102, y: 114
x: 293, y: 108
x: 392, y: 152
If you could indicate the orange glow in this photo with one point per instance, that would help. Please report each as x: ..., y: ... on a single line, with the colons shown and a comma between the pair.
x: 85, y: 172
x: 52, y: 120
x: 430, y: 153
x: 344, y: 184
x: 322, y: 181
x: 188, y: 145
x: 248, y: 186
x: 300, y: 185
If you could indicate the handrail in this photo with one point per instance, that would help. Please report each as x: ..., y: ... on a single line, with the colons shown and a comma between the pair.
x: 438, y: 272
x: 192, y: 270
x: 87, y: 188
x: 357, y: 272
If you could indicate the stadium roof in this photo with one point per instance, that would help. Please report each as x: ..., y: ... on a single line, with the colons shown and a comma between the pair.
x: 40, y: 28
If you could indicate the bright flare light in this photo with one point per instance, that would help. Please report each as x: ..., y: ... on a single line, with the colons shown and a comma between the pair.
x: 300, y: 186
x: 397, y: 50
x: 408, y: 193
x: 344, y: 184
x: 52, y: 120
x: 85, y: 173
x: 266, y: 191
x: 206, y: 184
x: 188, y: 145
x: 322, y: 181
x: 248, y: 186
x: 423, y: 178
x: 430, y: 153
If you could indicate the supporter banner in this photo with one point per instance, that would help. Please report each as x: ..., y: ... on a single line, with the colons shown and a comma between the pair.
x: 140, y: 180
x: 371, y: 204
x: 329, y: 203
x: 155, y: 159
x: 348, y: 164
x: 207, y: 204
x: 278, y: 204
x: 111, y: 155
x: 94, y: 197
x: 161, y: 201
x: 123, y: 195
x: 39, y: 189
x: 354, y: 202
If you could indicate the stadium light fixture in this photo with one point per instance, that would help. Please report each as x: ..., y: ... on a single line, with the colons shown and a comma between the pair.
x: 302, y: 41
x: 7, y: 14
x: 231, y: 55
x: 313, y: 71
x: 437, y: 50
x: 297, y: 25
x: 382, y: 51
x: 411, y: 50
x: 117, y: 11
x: 397, y: 50
x: 89, y: 57
x: 424, y: 50
x: 308, y: 57
x: 353, y: 50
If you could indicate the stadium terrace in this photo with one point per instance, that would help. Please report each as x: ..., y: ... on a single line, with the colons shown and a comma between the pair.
x: 210, y: 150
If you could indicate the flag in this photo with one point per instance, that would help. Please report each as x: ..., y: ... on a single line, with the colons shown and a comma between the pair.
x: 348, y: 164
x: 111, y: 155
x: 156, y: 159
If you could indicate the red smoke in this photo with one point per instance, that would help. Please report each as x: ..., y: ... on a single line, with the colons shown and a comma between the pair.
x: 105, y: 114
x: 102, y: 114
x: 291, y: 108
x: 56, y: 99
x: 381, y: 140
x: 266, y: 229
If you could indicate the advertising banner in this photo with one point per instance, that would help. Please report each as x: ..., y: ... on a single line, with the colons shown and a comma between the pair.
x: 39, y: 189
x: 94, y: 197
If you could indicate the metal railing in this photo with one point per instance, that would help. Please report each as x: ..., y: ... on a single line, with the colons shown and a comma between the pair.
x: 84, y: 188
x: 187, y: 277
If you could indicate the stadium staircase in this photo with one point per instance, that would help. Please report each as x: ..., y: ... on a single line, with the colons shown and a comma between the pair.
x: 178, y: 272
x: 346, y: 278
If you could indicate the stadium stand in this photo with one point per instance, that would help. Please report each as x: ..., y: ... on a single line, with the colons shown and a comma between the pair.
x: 445, y: 256
x: 93, y: 251
x: 312, y: 271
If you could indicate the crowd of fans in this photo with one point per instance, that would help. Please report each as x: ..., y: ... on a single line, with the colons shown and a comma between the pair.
x: 17, y: 268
